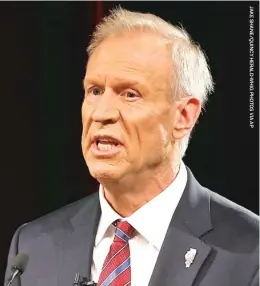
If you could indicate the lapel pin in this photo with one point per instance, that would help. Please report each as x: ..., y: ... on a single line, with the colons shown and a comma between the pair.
x: 189, y: 257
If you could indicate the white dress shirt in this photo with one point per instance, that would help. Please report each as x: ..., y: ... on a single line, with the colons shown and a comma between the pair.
x: 151, y: 222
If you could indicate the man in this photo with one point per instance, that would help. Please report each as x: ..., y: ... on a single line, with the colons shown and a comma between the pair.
x: 151, y: 223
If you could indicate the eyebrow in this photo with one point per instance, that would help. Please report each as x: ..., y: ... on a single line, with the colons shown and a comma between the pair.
x: 91, y: 79
x: 122, y: 81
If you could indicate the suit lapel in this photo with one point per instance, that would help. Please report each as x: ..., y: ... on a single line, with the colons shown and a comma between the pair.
x: 190, y: 221
x: 76, y: 249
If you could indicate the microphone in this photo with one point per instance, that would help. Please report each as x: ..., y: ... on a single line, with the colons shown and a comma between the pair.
x: 18, y: 266
x: 82, y: 281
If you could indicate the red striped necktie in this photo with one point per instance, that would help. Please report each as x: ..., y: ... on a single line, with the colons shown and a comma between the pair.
x: 116, y: 270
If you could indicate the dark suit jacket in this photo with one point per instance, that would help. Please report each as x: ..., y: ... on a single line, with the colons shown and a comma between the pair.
x: 224, y: 234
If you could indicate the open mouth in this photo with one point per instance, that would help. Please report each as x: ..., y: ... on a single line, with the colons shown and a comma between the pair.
x: 106, y: 144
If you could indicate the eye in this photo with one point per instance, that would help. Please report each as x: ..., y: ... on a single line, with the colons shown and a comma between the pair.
x: 95, y: 91
x: 131, y: 95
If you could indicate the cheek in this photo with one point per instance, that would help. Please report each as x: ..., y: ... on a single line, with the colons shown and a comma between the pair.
x: 84, y: 112
x: 159, y: 136
x: 153, y: 134
x: 163, y: 133
x: 86, y: 122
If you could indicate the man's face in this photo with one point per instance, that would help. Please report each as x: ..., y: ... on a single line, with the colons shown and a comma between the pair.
x: 128, y: 112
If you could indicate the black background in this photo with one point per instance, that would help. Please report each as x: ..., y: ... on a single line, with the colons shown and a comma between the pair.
x: 42, y: 64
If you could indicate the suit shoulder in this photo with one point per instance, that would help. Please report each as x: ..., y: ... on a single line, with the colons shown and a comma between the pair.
x: 233, y: 210
x: 236, y: 221
x: 58, y: 220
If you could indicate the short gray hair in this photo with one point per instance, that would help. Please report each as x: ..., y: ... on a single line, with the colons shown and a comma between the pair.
x: 190, y: 63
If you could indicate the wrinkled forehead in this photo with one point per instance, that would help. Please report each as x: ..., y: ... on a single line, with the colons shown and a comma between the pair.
x: 137, y: 52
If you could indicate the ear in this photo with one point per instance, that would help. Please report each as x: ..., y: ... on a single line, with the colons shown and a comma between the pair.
x: 187, y: 112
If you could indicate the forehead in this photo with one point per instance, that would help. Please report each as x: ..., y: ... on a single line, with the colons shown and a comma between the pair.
x: 142, y: 54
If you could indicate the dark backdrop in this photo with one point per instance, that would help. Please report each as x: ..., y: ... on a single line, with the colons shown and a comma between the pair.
x: 42, y: 64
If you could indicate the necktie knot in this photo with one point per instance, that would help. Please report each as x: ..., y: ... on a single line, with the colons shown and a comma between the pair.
x: 124, y: 231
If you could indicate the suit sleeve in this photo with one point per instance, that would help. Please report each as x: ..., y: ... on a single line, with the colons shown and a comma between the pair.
x: 13, y: 251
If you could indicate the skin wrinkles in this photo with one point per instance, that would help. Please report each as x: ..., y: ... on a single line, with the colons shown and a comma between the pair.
x: 149, y: 125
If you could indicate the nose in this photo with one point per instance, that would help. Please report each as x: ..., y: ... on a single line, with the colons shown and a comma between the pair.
x: 106, y: 109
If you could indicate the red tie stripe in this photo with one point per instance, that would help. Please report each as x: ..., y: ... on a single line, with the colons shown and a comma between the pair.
x: 116, y: 270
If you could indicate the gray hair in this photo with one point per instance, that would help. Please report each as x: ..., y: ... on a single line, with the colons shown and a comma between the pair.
x: 190, y: 64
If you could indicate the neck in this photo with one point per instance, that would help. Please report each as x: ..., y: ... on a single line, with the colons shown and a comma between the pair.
x: 128, y: 196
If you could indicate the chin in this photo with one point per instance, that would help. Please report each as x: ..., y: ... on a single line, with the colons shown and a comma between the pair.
x: 103, y: 171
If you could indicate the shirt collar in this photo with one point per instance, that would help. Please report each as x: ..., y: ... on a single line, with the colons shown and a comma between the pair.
x: 108, y: 216
x: 152, y: 219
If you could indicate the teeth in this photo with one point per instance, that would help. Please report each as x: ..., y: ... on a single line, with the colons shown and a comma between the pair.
x: 105, y: 147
